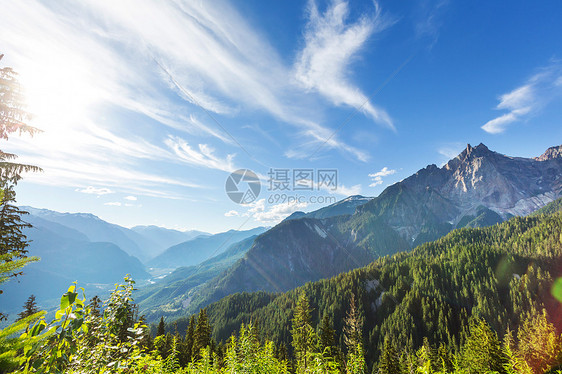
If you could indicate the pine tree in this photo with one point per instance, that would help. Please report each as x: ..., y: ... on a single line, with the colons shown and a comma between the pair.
x: 482, y: 350
x: 389, y: 362
x: 353, y: 326
x: 539, y: 344
x: 161, y: 327
x: 29, y: 308
x: 302, y: 332
x: 327, y: 337
x: 201, y: 335
x: 13, y: 117
x: 188, y: 341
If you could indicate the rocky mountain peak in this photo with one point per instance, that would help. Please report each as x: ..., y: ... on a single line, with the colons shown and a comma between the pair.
x: 467, y: 155
x: 551, y: 153
x: 479, y: 151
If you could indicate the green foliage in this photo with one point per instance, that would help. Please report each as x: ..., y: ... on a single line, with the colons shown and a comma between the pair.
x: 302, y: 332
x: 201, y: 334
x: 353, y: 328
x: 482, y: 350
x: 13, y: 243
x: 161, y: 327
x: 11, y: 345
x: 389, y: 362
x: 327, y: 338
x: 501, y: 274
x: 539, y: 344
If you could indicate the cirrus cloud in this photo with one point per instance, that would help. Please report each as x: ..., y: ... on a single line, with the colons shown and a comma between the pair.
x: 527, y: 99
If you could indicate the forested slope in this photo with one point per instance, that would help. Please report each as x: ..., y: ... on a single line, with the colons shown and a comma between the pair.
x: 501, y: 274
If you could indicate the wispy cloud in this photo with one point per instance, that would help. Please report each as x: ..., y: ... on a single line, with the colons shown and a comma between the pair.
x: 83, y: 62
x: 451, y: 150
x: 331, y: 43
x: 95, y: 190
x: 379, y: 175
x: 113, y: 203
x: 130, y: 198
x: 428, y: 19
x: 527, y: 99
x: 203, y: 156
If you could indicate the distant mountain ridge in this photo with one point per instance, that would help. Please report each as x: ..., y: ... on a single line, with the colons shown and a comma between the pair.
x: 166, y: 238
x: 201, y: 248
x: 144, y: 242
x: 84, y: 248
x: 67, y: 255
x: 478, y: 187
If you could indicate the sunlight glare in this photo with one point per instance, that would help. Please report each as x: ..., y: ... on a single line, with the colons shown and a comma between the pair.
x: 59, y: 93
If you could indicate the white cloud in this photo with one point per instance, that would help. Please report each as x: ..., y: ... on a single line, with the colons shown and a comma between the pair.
x: 429, y: 19
x: 204, y: 156
x: 527, y: 99
x: 210, y: 54
x: 113, y: 203
x: 331, y: 43
x: 379, y: 175
x: 273, y: 213
x: 349, y: 191
x: 130, y: 198
x: 231, y: 213
x: 95, y: 190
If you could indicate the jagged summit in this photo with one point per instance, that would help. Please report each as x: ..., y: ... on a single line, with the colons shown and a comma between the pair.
x: 551, y: 153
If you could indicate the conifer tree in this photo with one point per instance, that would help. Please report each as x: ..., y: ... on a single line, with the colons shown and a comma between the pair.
x: 29, y: 308
x: 161, y: 327
x: 353, y: 326
x: 539, y: 344
x: 201, y: 334
x: 188, y: 341
x: 13, y: 117
x: 482, y: 351
x: 327, y: 337
x: 302, y: 332
x: 389, y: 362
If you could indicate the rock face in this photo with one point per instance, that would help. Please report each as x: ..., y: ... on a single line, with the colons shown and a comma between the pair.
x: 476, y: 178
x: 551, y: 153
x: 479, y: 187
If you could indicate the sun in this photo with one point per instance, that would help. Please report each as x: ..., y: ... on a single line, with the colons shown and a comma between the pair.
x: 59, y: 93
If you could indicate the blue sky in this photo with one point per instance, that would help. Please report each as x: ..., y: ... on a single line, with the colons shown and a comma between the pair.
x: 146, y: 107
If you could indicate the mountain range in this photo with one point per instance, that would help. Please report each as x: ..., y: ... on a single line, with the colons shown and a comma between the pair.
x: 195, y: 251
x: 477, y: 188
x: 499, y: 274
x: 82, y: 247
x: 143, y: 242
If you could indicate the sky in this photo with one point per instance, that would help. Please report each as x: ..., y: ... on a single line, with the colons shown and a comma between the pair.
x: 147, y: 107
